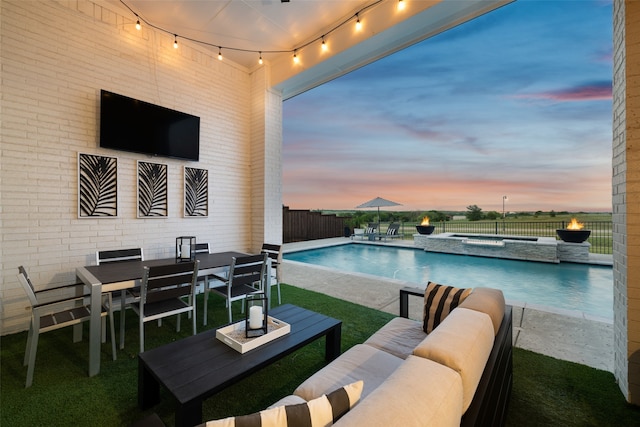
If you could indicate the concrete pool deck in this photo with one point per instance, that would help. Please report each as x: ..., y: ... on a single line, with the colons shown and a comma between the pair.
x: 562, y: 334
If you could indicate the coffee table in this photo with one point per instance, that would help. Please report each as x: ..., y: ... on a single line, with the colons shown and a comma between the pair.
x: 197, y: 367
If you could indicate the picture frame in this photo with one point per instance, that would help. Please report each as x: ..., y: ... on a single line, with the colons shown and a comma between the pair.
x: 97, y: 186
x: 196, y: 192
x: 152, y: 181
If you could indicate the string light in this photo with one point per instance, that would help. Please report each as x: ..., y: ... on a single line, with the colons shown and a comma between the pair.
x: 401, y: 5
x: 324, y: 47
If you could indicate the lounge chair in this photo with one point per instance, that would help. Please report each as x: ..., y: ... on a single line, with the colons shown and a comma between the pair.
x: 392, y: 232
x: 371, y: 232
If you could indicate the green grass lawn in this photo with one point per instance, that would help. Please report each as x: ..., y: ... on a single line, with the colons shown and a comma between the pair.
x: 546, y: 391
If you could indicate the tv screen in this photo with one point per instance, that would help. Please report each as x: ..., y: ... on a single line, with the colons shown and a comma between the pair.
x: 131, y: 125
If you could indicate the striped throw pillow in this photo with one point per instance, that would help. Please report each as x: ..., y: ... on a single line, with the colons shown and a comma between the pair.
x: 322, y: 411
x: 439, y: 301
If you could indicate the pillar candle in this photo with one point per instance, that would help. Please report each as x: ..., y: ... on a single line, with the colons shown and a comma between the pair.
x: 185, y: 251
x: 255, y: 317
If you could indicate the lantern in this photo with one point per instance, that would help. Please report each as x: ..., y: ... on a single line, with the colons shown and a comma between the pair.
x: 256, y: 314
x: 185, y: 248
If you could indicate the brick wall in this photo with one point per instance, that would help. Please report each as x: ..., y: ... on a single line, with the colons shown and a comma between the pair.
x: 626, y: 197
x: 618, y: 201
x: 56, y: 56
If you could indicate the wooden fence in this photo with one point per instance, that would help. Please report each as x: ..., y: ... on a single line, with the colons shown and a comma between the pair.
x: 301, y: 225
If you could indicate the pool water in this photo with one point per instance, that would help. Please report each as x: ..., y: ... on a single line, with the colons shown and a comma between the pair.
x: 581, y: 287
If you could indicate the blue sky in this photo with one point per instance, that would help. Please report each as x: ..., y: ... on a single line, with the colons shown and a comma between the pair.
x: 516, y: 102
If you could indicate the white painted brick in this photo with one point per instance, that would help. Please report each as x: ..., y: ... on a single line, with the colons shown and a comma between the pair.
x: 55, y: 58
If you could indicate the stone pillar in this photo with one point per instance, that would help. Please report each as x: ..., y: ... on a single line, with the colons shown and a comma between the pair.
x: 626, y: 196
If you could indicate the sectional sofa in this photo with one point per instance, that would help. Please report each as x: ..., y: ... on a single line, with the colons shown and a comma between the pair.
x: 460, y: 373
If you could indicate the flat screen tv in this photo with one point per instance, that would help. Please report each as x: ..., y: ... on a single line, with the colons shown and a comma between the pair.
x: 137, y: 126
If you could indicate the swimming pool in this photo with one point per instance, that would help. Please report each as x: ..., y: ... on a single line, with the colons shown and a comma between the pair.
x: 581, y: 287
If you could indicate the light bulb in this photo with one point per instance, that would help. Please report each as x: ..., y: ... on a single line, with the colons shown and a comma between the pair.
x: 260, y: 60
x: 175, y: 41
x: 401, y: 5
x: 138, y: 26
x: 358, y: 23
x: 324, y: 45
x: 295, y: 58
x: 220, y: 54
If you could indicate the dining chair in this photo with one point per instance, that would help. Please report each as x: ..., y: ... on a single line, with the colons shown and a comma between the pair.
x: 119, y: 298
x: 58, y: 313
x: 201, y: 248
x: 163, y: 292
x: 274, y: 252
x: 246, y: 276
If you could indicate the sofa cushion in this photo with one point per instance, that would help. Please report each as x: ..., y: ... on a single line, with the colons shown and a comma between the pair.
x: 398, y: 337
x: 487, y: 300
x: 360, y: 362
x: 419, y: 393
x: 322, y: 411
x: 462, y: 342
x: 439, y: 301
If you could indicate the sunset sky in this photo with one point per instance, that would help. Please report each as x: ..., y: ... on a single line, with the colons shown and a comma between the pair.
x: 515, y: 103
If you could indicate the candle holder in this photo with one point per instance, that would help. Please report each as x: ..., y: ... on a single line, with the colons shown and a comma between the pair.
x: 185, y: 248
x: 256, y: 314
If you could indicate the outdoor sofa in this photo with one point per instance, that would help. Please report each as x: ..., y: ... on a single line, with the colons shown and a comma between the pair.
x: 460, y: 373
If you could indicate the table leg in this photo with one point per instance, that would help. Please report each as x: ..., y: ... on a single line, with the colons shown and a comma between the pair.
x: 189, y: 414
x: 95, y: 323
x: 333, y: 341
x: 148, y: 387
x: 95, y: 329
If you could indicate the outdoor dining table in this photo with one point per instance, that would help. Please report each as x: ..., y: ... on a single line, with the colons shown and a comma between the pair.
x: 116, y: 276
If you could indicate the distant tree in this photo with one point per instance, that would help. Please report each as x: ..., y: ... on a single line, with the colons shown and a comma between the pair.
x: 474, y: 213
x: 493, y: 215
x: 552, y: 214
x: 435, y: 216
x: 537, y: 214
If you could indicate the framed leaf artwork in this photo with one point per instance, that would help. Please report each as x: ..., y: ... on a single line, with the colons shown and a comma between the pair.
x: 152, y: 190
x: 97, y: 186
x: 196, y: 192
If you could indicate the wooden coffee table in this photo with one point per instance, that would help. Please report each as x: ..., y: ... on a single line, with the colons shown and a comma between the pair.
x: 197, y: 367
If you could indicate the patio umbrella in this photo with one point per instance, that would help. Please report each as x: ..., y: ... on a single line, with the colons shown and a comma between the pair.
x: 377, y: 203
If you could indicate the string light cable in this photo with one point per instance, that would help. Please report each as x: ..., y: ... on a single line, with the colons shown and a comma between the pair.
x: 258, y: 52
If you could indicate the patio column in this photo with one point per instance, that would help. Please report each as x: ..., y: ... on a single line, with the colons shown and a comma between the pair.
x: 266, y: 161
x: 626, y: 196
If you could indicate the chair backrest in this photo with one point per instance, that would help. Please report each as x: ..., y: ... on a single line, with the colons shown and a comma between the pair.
x: 371, y: 228
x: 118, y: 255
x: 247, y: 270
x: 169, y: 281
x: 273, y: 252
x: 202, y: 248
x: 24, y: 279
x: 393, y: 229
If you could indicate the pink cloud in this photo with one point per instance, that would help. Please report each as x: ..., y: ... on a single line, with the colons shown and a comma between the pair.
x: 588, y: 92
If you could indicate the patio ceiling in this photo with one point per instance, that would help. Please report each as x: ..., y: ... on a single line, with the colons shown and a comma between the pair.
x: 241, y: 29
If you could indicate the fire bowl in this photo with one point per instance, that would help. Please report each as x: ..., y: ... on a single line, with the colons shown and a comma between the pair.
x: 573, y: 236
x: 425, y: 229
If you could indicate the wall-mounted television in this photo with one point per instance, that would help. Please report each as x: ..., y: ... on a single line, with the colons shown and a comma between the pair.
x: 131, y: 125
